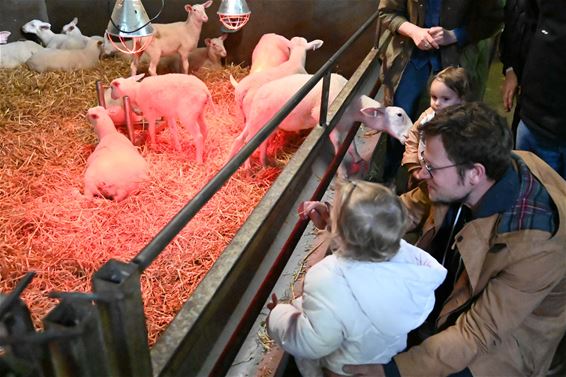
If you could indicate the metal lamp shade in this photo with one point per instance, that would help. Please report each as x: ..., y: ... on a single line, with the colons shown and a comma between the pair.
x: 233, y: 7
x: 234, y: 14
x: 129, y: 19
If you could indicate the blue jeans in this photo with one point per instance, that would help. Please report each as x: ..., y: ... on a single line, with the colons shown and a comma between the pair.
x: 552, y: 151
x: 412, y: 85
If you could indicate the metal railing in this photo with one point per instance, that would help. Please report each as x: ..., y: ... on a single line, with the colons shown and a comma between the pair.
x: 104, y: 333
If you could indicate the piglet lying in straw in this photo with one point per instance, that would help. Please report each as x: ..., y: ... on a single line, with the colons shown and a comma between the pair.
x: 172, y: 96
x: 115, y: 169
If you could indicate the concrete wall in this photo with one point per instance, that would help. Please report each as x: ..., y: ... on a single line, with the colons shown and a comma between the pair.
x: 333, y: 21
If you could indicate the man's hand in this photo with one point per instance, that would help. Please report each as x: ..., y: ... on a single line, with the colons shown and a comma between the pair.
x: 369, y: 370
x: 318, y: 212
x: 510, y: 88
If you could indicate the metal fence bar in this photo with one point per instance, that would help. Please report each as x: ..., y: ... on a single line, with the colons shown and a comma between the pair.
x: 122, y: 319
x: 83, y: 354
x: 180, y: 220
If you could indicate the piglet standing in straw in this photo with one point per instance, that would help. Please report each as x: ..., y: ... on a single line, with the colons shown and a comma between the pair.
x: 115, y: 169
x: 172, y: 96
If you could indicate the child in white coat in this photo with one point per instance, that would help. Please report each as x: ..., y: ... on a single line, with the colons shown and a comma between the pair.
x: 359, y: 303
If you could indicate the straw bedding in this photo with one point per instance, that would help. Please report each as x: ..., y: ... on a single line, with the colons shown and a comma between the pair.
x: 47, y: 226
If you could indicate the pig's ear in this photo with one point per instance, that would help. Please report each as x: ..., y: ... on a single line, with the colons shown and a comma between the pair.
x: 223, y: 37
x: 373, y: 112
x: 207, y: 41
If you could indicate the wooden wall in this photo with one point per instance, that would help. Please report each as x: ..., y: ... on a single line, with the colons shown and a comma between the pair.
x: 333, y: 21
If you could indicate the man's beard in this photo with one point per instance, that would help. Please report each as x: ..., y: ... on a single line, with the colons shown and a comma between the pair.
x: 450, y: 201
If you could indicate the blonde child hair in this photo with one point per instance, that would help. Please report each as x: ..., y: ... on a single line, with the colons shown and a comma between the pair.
x: 368, y: 221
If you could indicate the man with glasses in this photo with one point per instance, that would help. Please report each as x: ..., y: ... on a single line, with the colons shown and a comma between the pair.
x: 494, y: 218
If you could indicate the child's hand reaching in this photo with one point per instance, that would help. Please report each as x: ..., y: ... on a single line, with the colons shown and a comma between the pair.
x: 274, y: 301
x: 318, y: 212
x: 270, y: 305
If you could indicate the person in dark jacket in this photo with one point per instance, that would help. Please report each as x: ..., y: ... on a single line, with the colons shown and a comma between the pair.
x: 542, y: 129
x: 520, y: 25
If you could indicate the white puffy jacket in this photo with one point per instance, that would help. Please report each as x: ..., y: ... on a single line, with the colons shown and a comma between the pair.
x: 354, y: 312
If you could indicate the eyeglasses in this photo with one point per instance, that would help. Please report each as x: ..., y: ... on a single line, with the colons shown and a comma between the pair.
x: 429, y: 169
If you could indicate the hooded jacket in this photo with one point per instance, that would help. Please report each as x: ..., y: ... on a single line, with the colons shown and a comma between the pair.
x: 511, y: 297
x: 357, y: 312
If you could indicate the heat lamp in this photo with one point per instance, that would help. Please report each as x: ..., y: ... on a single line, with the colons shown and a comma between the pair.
x: 233, y: 14
x: 129, y: 29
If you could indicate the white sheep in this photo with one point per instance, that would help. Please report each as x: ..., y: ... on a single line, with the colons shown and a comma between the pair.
x: 172, y: 96
x: 174, y: 38
x: 271, y: 97
x: 50, y: 39
x: 14, y: 54
x: 51, y: 59
x: 208, y: 57
x: 270, y: 51
x: 115, y: 109
x: 246, y: 88
x: 71, y: 29
x: 115, y: 169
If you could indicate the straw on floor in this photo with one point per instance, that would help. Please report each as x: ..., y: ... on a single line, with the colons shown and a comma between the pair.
x: 47, y: 226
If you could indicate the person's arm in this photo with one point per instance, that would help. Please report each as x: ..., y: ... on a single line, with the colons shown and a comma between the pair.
x: 509, y: 35
x: 309, y: 329
x: 509, y: 89
x: 392, y: 13
x: 317, y: 212
x: 393, y: 16
x: 508, y: 298
x: 422, y: 38
x: 411, y: 154
x: 418, y: 207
